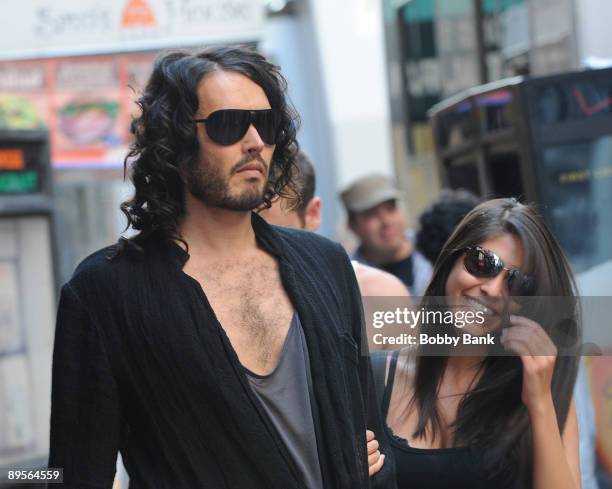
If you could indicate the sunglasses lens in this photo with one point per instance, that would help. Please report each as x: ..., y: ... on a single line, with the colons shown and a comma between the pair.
x: 520, y: 283
x: 482, y: 263
x: 486, y: 264
x: 266, y: 122
x: 228, y: 126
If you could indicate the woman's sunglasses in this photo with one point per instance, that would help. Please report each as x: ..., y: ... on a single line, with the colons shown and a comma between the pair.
x: 228, y: 126
x: 483, y: 263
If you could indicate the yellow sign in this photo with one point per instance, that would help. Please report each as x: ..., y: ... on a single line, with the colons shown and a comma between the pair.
x: 578, y: 176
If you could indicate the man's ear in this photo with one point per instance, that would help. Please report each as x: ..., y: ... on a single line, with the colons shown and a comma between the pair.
x: 312, y: 216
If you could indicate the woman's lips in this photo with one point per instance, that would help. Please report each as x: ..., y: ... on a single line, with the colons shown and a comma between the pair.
x: 481, y: 306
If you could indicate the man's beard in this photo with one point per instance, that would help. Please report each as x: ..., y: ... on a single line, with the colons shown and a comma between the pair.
x: 207, y: 184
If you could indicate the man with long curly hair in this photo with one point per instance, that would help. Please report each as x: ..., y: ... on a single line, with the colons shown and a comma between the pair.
x: 212, y: 349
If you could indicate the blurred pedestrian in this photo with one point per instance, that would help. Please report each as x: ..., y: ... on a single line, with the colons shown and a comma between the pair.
x: 376, y: 216
x: 302, y: 210
x: 209, y: 347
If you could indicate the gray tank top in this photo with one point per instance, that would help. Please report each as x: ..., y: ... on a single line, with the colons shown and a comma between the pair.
x: 285, y: 396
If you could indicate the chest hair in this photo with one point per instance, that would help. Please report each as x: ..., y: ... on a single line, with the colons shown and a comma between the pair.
x: 252, y: 306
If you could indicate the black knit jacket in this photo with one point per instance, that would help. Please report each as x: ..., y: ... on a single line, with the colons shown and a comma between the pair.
x: 141, y: 365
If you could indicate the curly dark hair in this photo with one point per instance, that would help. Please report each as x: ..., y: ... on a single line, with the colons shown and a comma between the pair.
x: 438, y: 221
x: 165, y: 138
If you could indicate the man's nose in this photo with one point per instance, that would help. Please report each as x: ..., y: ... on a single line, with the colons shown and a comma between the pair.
x: 386, y: 218
x: 252, y: 142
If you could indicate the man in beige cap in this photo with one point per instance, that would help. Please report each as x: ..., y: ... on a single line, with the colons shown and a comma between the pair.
x: 377, y: 218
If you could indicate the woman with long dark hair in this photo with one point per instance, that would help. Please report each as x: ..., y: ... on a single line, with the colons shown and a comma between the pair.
x: 490, y: 419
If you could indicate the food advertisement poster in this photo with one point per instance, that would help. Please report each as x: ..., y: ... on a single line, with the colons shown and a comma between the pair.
x: 85, y: 115
x: 23, y: 95
x: 85, y: 102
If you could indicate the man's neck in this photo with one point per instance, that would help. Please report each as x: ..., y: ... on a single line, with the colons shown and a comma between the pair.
x: 216, y: 232
x: 401, y: 253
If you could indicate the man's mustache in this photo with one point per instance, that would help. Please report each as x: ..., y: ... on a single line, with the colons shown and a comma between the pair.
x: 248, y: 159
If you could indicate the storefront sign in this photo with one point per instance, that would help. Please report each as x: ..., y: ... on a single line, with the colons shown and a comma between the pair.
x: 47, y: 28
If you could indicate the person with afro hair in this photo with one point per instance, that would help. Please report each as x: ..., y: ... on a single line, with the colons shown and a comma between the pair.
x: 439, y: 220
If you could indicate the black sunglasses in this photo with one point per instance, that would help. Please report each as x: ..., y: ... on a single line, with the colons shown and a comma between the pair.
x: 484, y: 263
x: 228, y: 126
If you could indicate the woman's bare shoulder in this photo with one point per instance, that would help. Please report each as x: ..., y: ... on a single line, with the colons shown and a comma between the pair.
x: 375, y: 282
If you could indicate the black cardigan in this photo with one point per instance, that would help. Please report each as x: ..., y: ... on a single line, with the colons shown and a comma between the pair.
x: 142, y: 365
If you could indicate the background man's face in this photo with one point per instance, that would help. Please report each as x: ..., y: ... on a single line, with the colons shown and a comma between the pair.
x: 280, y: 215
x: 222, y: 176
x: 381, y: 228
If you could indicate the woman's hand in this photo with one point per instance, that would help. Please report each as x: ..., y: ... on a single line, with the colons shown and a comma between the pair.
x: 375, y: 459
x: 538, y: 354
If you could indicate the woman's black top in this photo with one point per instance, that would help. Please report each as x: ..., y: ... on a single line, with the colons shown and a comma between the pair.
x: 435, y: 468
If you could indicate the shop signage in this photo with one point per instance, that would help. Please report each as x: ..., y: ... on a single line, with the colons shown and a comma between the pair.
x: 48, y: 28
